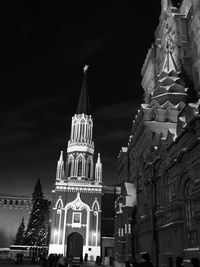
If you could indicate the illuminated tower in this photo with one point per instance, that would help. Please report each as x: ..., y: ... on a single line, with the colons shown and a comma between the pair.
x: 76, y: 204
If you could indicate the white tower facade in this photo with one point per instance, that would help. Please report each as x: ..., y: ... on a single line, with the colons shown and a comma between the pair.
x: 76, y: 204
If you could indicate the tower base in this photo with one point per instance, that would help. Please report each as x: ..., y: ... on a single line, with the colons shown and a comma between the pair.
x: 92, y: 251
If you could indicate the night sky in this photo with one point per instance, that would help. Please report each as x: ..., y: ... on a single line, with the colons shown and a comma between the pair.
x: 43, y: 51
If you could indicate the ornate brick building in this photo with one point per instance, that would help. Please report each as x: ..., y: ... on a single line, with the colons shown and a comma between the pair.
x: 163, y: 155
x: 125, y: 212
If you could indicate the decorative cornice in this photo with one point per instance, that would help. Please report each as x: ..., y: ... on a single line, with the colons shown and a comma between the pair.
x: 80, y: 147
x: 79, y: 189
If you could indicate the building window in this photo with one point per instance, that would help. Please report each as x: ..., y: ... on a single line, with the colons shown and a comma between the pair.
x: 129, y: 228
x: 122, y: 231
x: 69, y: 168
x: 188, y: 204
x: 79, y: 167
x: 89, y: 169
x: 171, y: 189
x: 125, y: 228
x: 82, y: 129
x: 191, y: 232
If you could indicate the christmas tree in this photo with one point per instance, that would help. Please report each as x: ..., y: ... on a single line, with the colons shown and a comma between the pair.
x: 37, y: 229
x: 19, y: 239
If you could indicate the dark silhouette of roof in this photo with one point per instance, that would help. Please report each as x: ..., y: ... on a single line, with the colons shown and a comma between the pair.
x: 83, y: 103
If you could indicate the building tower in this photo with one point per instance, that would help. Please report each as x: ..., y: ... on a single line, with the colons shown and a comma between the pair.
x: 76, y: 203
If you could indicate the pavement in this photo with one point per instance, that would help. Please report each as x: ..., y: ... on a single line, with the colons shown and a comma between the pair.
x: 2, y: 264
x: 10, y: 263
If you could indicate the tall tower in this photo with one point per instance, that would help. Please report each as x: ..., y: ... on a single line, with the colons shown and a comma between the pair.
x: 76, y: 203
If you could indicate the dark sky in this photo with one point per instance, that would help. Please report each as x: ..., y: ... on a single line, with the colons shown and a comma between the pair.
x: 43, y: 51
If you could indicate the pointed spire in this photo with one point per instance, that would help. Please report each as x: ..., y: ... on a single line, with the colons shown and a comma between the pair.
x: 60, y: 167
x: 61, y: 156
x: 83, y: 104
x: 98, y: 170
x: 99, y: 159
x: 169, y: 64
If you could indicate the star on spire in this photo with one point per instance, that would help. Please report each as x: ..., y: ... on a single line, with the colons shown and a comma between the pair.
x: 85, y: 68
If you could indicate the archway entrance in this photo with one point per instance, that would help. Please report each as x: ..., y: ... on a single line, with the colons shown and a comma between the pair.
x: 75, y: 245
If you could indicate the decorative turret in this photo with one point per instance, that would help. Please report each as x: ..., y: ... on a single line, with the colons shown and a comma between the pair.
x: 60, y: 167
x: 98, y: 170
x: 169, y: 86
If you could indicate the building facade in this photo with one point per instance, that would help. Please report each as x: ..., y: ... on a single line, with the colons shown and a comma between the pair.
x: 76, y: 203
x: 162, y: 157
x: 125, y: 213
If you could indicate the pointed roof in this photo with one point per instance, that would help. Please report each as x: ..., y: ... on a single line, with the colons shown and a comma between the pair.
x: 169, y: 64
x: 83, y: 104
x: 99, y: 159
x: 61, y: 156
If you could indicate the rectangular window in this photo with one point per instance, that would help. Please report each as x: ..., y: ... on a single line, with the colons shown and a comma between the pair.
x: 76, y: 219
x: 125, y: 228
x: 122, y: 231
x: 129, y: 228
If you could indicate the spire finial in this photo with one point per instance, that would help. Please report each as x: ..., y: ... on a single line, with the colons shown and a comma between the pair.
x: 99, y: 160
x: 61, y: 156
x: 85, y: 68
x: 83, y: 104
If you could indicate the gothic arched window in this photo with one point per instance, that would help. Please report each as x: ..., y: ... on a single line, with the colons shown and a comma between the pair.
x: 188, y: 204
x: 82, y: 128
x: 80, y: 167
x: 89, y: 169
x: 69, y: 168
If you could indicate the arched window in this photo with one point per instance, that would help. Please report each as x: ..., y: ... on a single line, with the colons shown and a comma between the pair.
x: 69, y: 168
x: 188, y: 204
x: 80, y: 167
x: 89, y: 169
x: 82, y: 128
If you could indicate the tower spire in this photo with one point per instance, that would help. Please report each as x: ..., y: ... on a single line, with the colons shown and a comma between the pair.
x: 83, y: 104
x: 169, y: 64
x: 98, y: 170
x: 60, y: 167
